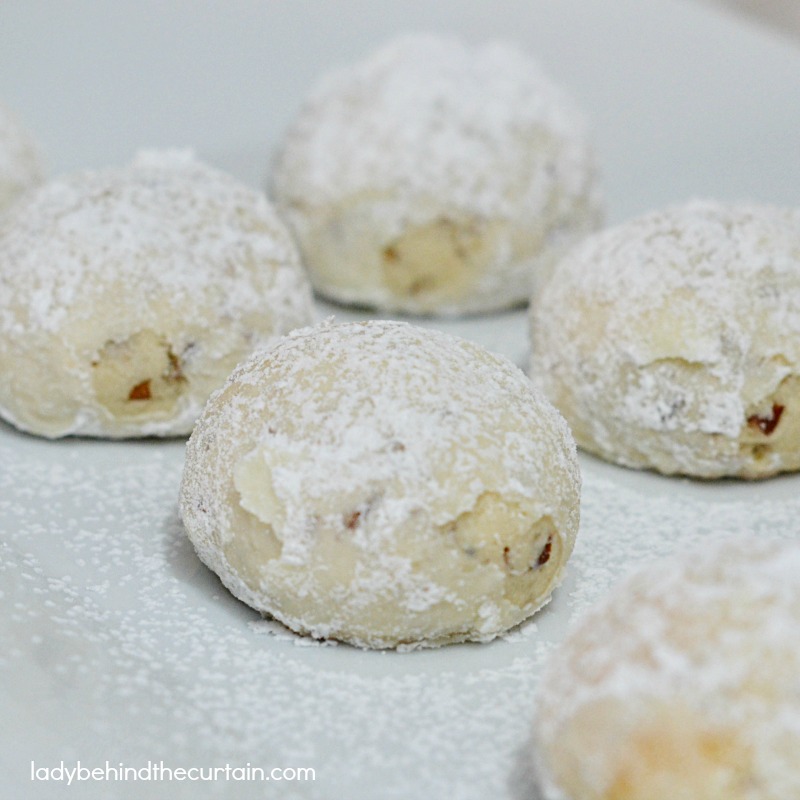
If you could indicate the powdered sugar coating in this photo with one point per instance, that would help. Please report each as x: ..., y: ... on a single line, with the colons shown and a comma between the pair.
x: 673, y: 341
x: 157, y: 276
x: 694, y: 658
x: 20, y: 164
x: 383, y: 484
x: 433, y: 150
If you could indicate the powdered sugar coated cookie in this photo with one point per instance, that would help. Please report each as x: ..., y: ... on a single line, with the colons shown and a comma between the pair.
x: 383, y: 485
x: 684, y: 682
x: 130, y: 294
x: 672, y: 341
x: 434, y: 177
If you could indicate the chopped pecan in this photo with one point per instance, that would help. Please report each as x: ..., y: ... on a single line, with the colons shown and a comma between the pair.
x: 767, y: 424
x: 351, y: 520
x: 141, y: 391
x: 174, y: 371
x: 544, y: 556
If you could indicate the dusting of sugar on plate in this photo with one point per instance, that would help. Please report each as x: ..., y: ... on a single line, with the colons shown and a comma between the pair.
x: 163, y: 663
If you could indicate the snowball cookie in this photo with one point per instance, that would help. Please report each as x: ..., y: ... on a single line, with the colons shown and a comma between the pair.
x: 436, y: 178
x: 672, y: 342
x: 684, y: 684
x: 20, y: 167
x: 128, y: 296
x: 383, y: 485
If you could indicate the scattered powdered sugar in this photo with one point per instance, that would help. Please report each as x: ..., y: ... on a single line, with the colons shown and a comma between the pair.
x: 715, y: 254
x: 164, y: 223
x: 433, y: 118
x: 271, y: 627
x: 116, y: 643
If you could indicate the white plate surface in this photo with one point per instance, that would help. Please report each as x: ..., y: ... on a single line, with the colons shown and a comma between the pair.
x: 116, y: 644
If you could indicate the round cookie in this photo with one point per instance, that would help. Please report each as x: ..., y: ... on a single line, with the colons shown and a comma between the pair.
x: 20, y: 167
x: 383, y: 485
x: 436, y: 178
x: 683, y: 683
x: 672, y: 342
x: 128, y: 296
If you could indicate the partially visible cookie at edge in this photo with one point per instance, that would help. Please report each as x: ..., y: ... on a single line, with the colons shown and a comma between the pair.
x: 672, y: 341
x: 684, y: 682
x: 129, y: 294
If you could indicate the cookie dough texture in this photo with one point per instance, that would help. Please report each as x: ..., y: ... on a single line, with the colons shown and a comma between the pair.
x: 20, y: 164
x: 383, y: 485
x: 672, y: 342
x: 683, y: 684
x: 438, y: 178
x: 128, y: 296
